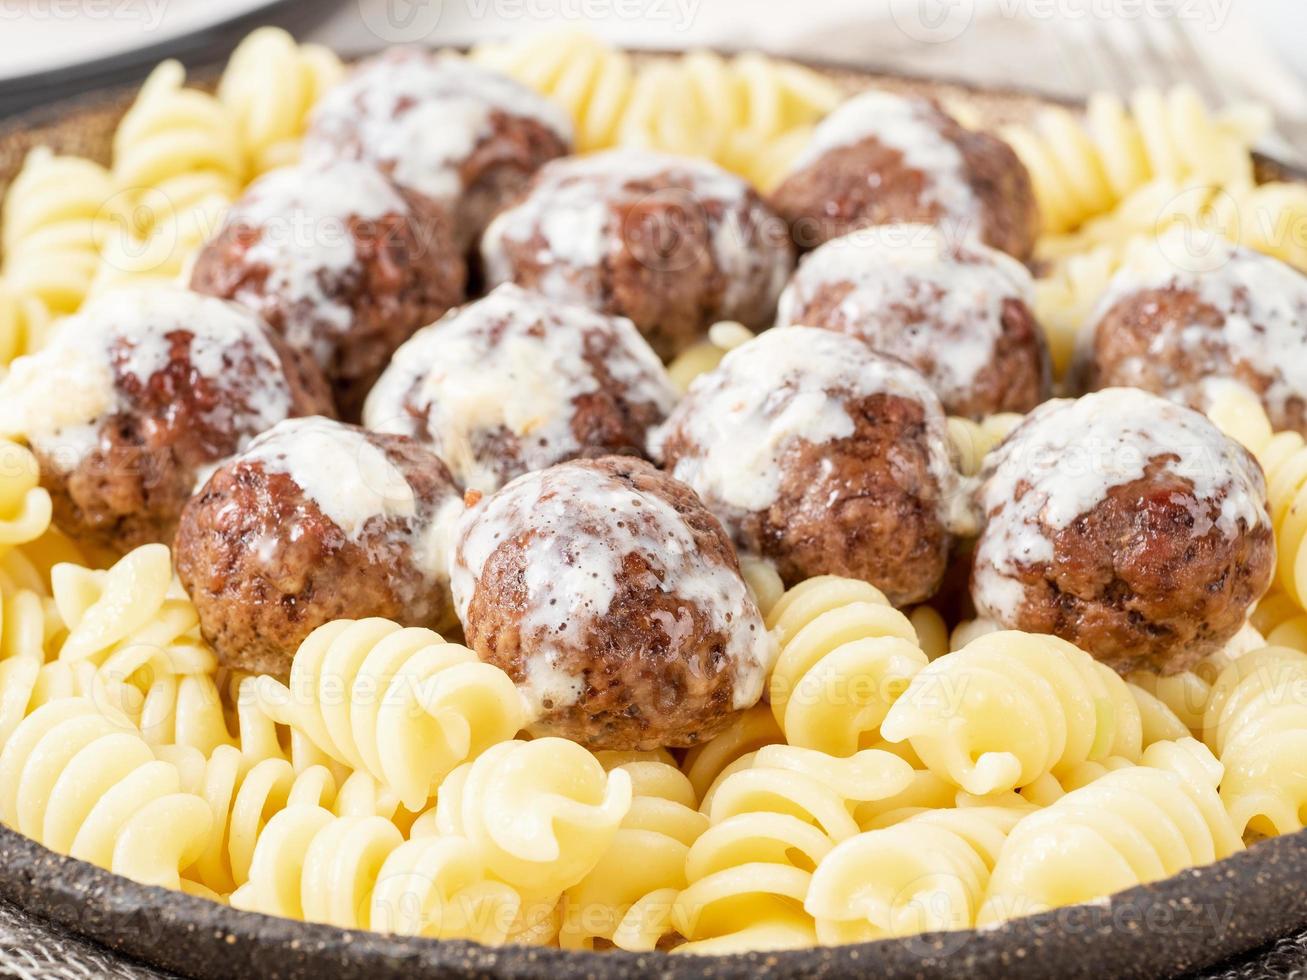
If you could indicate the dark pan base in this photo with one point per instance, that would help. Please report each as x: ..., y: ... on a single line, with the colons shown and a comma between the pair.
x: 1193, y: 920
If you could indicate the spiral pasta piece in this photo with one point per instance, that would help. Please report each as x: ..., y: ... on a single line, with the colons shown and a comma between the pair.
x: 845, y: 656
x: 89, y: 787
x: 244, y: 793
x: 922, y: 874
x: 358, y: 872
x: 24, y: 322
x: 136, y: 627
x: 1081, y: 168
x: 1239, y: 414
x: 177, y: 165
x: 749, y: 731
x: 1011, y: 707
x: 269, y: 85
x: 589, y: 78
x: 400, y: 704
x: 541, y: 814
x: 627, y: 902
x: 1257, y: 725
x: 974, y: 440
x: 54, y: 221
x: 750, y: 113
x: 771, y: 824
x: 1128, y: 827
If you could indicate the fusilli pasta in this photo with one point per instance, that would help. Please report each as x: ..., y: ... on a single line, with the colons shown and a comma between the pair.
x: 55, y: 219
x: 541, y: 814
x: 177, y: 165
x: 1011, y: 707
x: 1082, y: 168
x: 400, y: 704
x: 1130, y: 826
x: 358, y: 872
x: 270, y: 84
x: 771, y: 824
x: 846, y: 654
x: 924, y: 873
x: 626, y: 902
x: 87, y: 786
x: 1256, y: 723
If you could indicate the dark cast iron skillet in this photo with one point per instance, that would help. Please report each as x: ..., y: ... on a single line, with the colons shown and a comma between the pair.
x: 1193, y: 920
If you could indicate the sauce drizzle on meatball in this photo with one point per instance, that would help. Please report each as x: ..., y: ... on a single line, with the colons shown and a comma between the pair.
x: 1064, y: 464
x: 423, y: 116
x: 915, y: 128
x: 943, y: 305
x: 577, y: 530
x: 517, y: 382
x: 1194, y: 311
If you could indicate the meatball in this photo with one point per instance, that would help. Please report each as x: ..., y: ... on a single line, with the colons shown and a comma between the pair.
x: 673, y: 243
x: 340, y: 262
x: 1127, y: 525
x: 137, y: 396
x: 316, y: 521
x: 1197, y: 312
x: 613, y: 599
x: 882, y: 158
x: 517, y: 382
x: 825, y: 457
x: 957, y: 311
x: 463, y: 136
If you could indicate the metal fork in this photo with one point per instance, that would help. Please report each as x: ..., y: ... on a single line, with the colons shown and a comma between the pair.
x: 1155, y: 51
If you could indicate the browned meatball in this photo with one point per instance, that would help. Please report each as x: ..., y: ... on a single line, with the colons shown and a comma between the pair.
x: 613, y: 599
x: 316, y: 521
x: 824, y: 457
x: 882, y: 158
x: 1198, y: 312
x: 140, y: 393
x: 957, y: 311
x: 674, y: 244
x: 340, y: 262
x: 463, y: 136
x: 517, y: 382
x: 1127, y: 525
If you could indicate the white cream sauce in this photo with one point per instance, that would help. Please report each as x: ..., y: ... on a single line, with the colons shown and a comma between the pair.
x: 303, y: 215
x: 915, y: 293
x: 1069, y: 454
x: 912, y: 126
x: 424, y: 114
x: 575, y: 208
x: 511, y: 363
x: 1263, y: 303
x: 583, y: 524
x: 787, y: 386
x: 59, y: 397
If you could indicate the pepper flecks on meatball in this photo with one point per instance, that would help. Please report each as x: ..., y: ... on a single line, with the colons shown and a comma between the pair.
x: 463, y: 136
x: 1127, y: 525
x: 1195, y: 311
x: 673, y: 243
x: 882, y: 158
x: 516, y: 382
x: 316, y: 521
x: 825, y: 457
x: 340, y: 262
x: 137, y: 396
x: 956, y: 310
x: 614, y: 600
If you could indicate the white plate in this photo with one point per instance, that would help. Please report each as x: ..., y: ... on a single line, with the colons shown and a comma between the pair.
x: 57, y: 35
